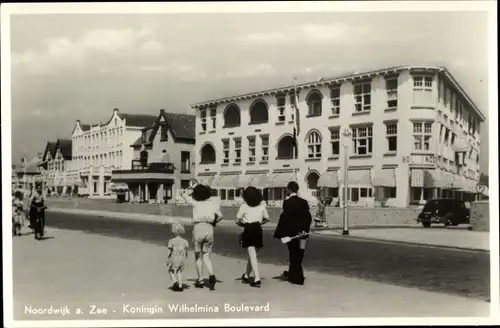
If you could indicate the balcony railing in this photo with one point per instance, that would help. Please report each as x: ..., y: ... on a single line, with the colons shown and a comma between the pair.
x: 160, y: 167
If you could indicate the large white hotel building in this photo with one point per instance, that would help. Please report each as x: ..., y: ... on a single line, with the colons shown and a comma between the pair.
x: 412, y: 134
x: 98, y: 149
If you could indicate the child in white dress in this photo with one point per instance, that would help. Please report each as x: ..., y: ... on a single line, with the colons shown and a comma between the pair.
x: 176, y: 256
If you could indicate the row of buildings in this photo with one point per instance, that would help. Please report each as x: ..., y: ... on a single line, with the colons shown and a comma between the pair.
x: 403, y: 135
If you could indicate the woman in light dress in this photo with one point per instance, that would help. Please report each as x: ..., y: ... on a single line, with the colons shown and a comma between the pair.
x: 251, y: 216
x: 206, y: 214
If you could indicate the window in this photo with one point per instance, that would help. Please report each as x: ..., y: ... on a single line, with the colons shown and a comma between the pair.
x: 422, y: 135
x: 223, y: 194
x: 314, y: 145
x: 314, y: 103
x: 185, y: 162
x: 230, y: 194
x: 203, y: 116
x: 293, y: 103
x: 281, y: 109
x: 237, y: 150
x: 225, y: 149
x: 335, y: 141
x: 265, y: 148
x: 251, y: 149
x: 213, y: 117
x: 362, y: 138
x: 330, y: 192
x: 362, y: 96
x: 391, y: 86
x: 335, y: 99
x: 390, y: 192
x: 207, y: 154
x: 184, y: 184
x: 422, y: 89
x: 213, y: 192
x: 392, y: 137
x: 446, y: 96
x: 164, y: 133
x: 232, y: 116
x: 258, y: 112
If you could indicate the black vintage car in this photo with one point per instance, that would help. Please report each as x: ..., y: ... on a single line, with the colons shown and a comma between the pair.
x: 445, y: 211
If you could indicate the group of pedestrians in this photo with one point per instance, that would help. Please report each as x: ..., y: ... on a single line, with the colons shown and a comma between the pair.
x: 293, y: 227
x: 29, y: 207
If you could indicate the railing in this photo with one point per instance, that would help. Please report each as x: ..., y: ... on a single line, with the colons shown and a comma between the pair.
x: 160, y: 167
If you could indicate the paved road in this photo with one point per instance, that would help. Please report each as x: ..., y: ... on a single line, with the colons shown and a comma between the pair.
x: 463, y: 273
x: 76, y: 270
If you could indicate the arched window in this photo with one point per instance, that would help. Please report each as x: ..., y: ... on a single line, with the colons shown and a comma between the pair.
x: 313, y: 140
x: 286, y: 147
x: 312, y: 180
x: 314, y: 102
x: 207, y: 154
x: 232, y: 116
x: 258, y: 112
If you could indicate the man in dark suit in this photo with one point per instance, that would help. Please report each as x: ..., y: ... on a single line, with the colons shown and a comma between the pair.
x: 294, y: 220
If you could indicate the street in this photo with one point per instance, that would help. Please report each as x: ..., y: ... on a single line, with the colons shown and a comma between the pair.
x: 448, y: 271
x: 115, y: 278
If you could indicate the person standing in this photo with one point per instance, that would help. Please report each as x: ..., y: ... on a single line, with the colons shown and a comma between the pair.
x: 37, y: 212
x: 17, y: 213
x: 251, y: 215
x: 176, y: 256
x: 295, y: 220
x: 206, y: 215
x: 26, y: 204
x: 320, y: 220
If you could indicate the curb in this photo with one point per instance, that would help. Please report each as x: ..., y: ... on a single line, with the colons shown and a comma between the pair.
x: 410, y: 243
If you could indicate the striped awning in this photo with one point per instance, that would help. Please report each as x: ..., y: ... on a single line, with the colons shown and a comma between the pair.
x: 359, y: 177
x: 421, y: 178
x: 205, y: 179
x: 385, y: 178
x: 226, y: 181
x: 280, y: 180
x: 329, y: 179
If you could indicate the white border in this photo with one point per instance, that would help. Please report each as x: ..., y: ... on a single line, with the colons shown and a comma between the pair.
x: 227, y: 7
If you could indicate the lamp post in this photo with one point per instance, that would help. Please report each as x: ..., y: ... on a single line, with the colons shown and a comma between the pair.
x: 346, y: 139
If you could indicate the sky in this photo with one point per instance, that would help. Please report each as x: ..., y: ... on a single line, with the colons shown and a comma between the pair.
x: 66, y: 67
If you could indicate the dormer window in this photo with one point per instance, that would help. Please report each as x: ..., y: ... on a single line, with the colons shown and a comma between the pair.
x: 164, y: 133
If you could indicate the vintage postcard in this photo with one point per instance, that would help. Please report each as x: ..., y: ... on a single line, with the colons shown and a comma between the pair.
x: 236, y: 164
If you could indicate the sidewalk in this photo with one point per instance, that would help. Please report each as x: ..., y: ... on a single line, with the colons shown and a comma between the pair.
x: 454, y: 238
x: 78, y: 269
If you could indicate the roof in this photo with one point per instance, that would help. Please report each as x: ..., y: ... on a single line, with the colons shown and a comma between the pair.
x: 182, y: 126
x: 85, y: 127
x: 340, y: 79
x: 138, y: 120
x: 50, y: 148
x: 66, y: 148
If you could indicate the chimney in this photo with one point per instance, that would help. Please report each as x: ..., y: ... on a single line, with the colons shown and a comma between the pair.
x: 115, y: 111
x: 78, y: 122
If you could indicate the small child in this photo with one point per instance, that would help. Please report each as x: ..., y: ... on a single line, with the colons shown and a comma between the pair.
x: 177, y: 254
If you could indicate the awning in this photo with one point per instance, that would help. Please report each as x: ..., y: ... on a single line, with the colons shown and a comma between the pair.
x: 226, y: 181
x: 260, y: 181
x: 385, y: 178
x: 118, y: 187
x: 421, y: 178
x: 205, y: 179
x: 254, y: 180
x: 280, y: 180
x: 329, y: 179
x: 359, y: 177
x: 133, y: 176
x: 461, y: 145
